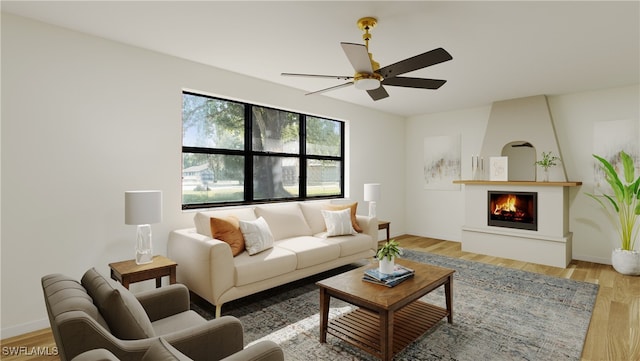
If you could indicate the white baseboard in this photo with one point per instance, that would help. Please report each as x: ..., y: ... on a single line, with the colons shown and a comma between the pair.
x: 587, y: 258
x: 24, y: 328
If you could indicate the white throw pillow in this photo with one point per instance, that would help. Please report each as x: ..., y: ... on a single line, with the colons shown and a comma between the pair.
x: 338, y: 222
x: 257, y: 236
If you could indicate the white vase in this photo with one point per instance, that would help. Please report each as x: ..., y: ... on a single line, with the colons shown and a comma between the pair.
x: 386, y: 265
x: 626, y: 262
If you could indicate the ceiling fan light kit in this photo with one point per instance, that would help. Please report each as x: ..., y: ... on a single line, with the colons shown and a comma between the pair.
x: 370, y: 77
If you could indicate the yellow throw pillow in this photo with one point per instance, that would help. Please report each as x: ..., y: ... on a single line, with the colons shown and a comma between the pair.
x: 228, y: 230
x: 354, y: 208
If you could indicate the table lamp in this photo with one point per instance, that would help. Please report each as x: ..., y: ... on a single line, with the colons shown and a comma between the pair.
x: 371, y: 195
x: 142, y: 208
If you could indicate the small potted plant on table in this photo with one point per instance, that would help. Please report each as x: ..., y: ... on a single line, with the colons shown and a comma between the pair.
x: 387, y: 255
x: 623, y: 209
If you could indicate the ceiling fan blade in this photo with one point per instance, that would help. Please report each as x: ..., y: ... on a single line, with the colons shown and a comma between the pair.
x: 331, y: 88
x: 424, y: 60
x: 414, y: 82
x: 339, y: 77
x: 377, y: 94
x: 358, y: 56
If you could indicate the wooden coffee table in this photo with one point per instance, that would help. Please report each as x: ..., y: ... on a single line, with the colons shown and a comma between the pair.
x: 387, y: 319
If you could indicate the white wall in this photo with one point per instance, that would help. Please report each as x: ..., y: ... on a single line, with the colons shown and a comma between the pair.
x: 85, y: 119
x: 440, y: 214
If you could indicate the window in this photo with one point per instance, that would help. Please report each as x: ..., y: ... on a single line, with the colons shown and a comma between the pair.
x: 239, y: 153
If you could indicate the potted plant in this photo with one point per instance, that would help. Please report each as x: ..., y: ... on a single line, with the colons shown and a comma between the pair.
x: 548, y: 160
x: 387, y: 254
x: 623, y: 209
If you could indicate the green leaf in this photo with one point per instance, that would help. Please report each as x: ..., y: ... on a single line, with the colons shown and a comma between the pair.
x: 629, y: 169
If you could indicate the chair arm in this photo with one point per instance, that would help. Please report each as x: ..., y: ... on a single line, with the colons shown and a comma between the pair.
x: 369, y: 226
x: 79, y: 333
x: 212, y: 340
x: 96, y: 355
x: 261, y: 351
x: 164, y: 301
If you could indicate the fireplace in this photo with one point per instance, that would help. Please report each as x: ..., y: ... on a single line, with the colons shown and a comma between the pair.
x: 513, y: 209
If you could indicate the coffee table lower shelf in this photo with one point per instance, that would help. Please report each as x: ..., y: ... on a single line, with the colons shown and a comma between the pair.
x: 361, y: 327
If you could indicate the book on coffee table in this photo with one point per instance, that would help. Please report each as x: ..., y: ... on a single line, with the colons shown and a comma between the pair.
x: 400, y: 273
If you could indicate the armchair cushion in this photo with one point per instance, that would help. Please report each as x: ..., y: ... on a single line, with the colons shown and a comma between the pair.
x: 124, y: 314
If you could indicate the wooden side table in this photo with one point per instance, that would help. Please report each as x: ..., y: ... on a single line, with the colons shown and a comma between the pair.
x: 384, y: 225
x: 127, y: 272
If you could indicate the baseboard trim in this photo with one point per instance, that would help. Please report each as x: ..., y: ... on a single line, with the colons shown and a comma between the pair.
x: 24, y: 328
x: 592, y: 259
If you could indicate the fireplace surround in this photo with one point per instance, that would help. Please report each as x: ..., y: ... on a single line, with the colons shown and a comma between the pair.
x: 549, y: 244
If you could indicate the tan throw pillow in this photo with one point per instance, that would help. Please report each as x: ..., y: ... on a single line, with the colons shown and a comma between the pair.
x: 354, y: 208
x: 228, y: 230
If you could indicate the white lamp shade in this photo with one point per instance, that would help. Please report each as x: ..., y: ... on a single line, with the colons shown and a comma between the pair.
x: 371, y: 192
x: 142, y: 207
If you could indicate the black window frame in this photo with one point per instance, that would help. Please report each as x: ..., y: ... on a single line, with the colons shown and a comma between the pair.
x: 248, y: 153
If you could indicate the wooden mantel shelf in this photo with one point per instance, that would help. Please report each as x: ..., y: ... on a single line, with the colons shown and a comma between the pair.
x: 518, y: 183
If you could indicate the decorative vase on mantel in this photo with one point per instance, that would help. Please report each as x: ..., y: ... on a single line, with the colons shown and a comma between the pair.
x: 626, y: 262
x: 548, y: 160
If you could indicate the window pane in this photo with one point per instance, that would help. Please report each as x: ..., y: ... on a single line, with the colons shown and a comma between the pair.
x: 212, y: 178
x: 275, y: 177
x: 323, y: 178
x: 275, y: 131
x: 323, y: 136
x: 212, y: 123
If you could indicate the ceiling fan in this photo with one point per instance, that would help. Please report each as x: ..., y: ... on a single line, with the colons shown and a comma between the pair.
x: 370, y: 77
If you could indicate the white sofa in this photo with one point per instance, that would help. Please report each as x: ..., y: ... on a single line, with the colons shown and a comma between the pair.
x: 301, y: 249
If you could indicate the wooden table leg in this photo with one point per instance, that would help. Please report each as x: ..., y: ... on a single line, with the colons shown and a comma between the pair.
x: 386, y: 335
x: 172, y: 276
x: 158, y: 282
x: 324, y: 314
x: 448, y: 291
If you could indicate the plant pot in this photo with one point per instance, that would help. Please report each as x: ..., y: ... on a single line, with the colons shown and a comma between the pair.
x: 626, y: 262
x: 386, y: 266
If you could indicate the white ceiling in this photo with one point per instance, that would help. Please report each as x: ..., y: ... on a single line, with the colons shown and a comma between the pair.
x: 500, y: 50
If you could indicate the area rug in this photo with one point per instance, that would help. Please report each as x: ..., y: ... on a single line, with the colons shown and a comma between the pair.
x: 499, y: 314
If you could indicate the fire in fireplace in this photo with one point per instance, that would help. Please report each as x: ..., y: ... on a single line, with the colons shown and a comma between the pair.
x: 513, y: 209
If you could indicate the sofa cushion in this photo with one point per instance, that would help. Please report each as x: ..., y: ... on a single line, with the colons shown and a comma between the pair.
x: 310, y: 251
x: 257, y: 235
x: 270, y: 263
x: 119, y: 307
x: 228, y: 230
x: 203, y: 225
x: 338, y: 223
x: 353, y: 207
x: 285, y: 220
x: 312, y: 214
x: 352, y: 244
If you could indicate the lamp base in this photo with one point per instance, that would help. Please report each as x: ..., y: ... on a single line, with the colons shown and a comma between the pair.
x: 144, y: 248
x: 372, y: 209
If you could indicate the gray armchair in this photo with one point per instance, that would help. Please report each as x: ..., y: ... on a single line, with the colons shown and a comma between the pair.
x: 98, y: 313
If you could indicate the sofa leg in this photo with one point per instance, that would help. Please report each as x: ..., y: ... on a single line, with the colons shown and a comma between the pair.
x: 218, y: 310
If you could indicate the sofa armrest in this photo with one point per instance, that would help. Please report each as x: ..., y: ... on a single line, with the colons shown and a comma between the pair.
x: 164, y: 301
x: 206, y: 264
x: 369, y: 226
x: 212, y: 340
x: 261, y: 351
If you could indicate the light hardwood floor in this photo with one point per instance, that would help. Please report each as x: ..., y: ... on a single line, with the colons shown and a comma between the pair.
x: 614, y: 331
